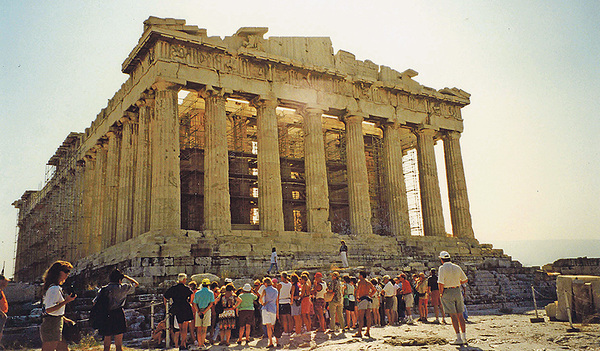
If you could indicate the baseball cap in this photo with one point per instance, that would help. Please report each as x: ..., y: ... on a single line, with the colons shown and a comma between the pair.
x: 444, y: 254
x: 318, y: 274
x: 247, y: 287
x: 206, y: 282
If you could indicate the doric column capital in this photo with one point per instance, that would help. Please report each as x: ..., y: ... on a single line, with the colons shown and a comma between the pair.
x: 421, y: 131
x: 210, y: 91
x: 165, y: 85
x: 354, y: 116
x: 451, y: 135
x: 128, y: 116
x: 264, y: 102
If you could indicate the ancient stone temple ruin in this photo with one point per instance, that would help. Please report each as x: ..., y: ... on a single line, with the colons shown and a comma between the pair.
x: 216, y: 149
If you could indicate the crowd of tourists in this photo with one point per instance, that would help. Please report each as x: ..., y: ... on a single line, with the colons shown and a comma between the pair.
x: 290, y: 304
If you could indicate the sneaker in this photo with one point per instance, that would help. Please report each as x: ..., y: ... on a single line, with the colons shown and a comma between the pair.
x: 458, y: 341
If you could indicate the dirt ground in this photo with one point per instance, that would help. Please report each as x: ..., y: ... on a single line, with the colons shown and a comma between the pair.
x: 487, y: 330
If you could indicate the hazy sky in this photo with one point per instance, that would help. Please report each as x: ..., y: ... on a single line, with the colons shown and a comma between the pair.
x: 530, y: 144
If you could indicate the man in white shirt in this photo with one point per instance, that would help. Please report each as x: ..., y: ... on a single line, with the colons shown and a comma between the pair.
x: 273, y: 262
x: 450, y: 278
x: 389, y: 293
x: 285, y: 300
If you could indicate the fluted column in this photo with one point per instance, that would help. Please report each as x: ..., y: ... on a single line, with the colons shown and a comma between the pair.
x: 98, y: 199
x: 359, y: 200
x: 89, y: 187
x: 315, y: 169
x: 431, y: 199
x: 270, y: 199
x: 462, y: 226
x: 217, y: 212
x: 143, y: 167
x: 126, y: 179
x: 109, y: 214
x: 165, y: 202
x: 393, y: 178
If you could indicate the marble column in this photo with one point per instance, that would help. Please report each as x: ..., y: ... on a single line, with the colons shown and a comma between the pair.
x: 217, y: 212
x: 431, y: 199
x: 315, y: 169
x: 143, y: 167
x: 359, y: 201
x: 165, y: 202
x: 462, y: 226
x: 126, y: 179
x: 393, y: 178
x: 98, y: 198
x: 88, y: 204
x: 109, y: 214
x: 270, y: 199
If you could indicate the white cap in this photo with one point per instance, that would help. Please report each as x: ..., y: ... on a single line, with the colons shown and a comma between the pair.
x: 247, y: 287
x: 444, y: 254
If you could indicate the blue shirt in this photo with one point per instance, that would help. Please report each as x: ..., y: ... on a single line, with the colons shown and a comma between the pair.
x: 270, y: 299
x: 204, y: 297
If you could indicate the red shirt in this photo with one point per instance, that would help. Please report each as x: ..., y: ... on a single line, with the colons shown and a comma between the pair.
x: 3, y: 302
x: 406, y: 288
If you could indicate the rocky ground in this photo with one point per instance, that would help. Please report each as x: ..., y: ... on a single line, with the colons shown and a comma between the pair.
x: 487, y: 330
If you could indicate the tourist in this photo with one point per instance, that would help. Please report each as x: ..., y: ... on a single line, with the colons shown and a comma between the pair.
x: 192, y: 326
x: 285, y: 300
x: 349, y: 302
x: 53, y: 305
x: 450, y: 278
x: 336, y: 311
x: 344, y: 254
x: 389, y: 295
x: 306, y: 305
x: 182, y: 310
x: 375, y: 304
x: 434, y: 296
x: 408, y: 297
x: 295, y: 293
x: 117, y: 292
x: 364, y: 295
x: 269, y: 300
x: 214, y: 325
x: 203, y: 301
x: 257, y: 307
x: 246, y: 313
x: 274, y: 267
x: 227, y: 318
x: 423, y: 298
x: 3, y: 304
x: 318, y: 291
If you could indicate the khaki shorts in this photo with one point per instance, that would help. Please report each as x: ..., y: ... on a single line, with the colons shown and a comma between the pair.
x: 452, y: 300
x: 409, y: 300
x: 364, y: 305
x: 51, y: 328
x: 204, y: 321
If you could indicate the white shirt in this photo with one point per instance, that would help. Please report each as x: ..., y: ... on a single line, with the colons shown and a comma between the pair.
x: 321, y: 294
x: 390, y: 289
x: 273, y: 257
x: 52, y: 298
x: 451, y: 275
x: 285, y: 293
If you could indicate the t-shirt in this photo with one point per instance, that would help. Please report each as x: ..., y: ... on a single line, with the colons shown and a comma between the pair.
x: 432, y: 282
x: 284, y: 293
x: 247, y: 301
x: 390, y: 289
x: 450, y: 275
x: 274, y: 257
x: 53, y: 297
x: 406, y: 287
x: 350, y: 292
x: 3, y: 302
x: 117, y: 293
x: 204, y: 297
x: 180, y: 294
x: 270, y: 299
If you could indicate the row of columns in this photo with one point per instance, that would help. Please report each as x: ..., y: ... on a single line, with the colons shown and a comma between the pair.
x: 132, y: 181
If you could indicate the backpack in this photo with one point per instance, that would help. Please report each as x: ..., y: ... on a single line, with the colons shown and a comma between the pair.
x: 99, y: 311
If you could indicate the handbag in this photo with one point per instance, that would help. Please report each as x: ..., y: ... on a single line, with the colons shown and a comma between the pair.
x: 71, y: 332
x: 99, y: 311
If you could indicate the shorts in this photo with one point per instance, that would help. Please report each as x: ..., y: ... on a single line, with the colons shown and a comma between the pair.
x: 3, y: 319
x: 319, y: 305
x: 452, y: 301
x: 246, y: 317
x: 435, y: 297
x: 350, y: 306
x: 51, y: 328
x: 395, y: 303
x: 204, y: 321
x: 388, y: 302
x: 269, y: 317
x: 409, y: 300
x: 306, y: 306
x: 285, y: 309
x: 375, y: 303
x: 365, y: 305
x: 296, y: 310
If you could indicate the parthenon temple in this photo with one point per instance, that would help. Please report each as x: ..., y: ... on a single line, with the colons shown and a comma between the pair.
x: 216, y: 149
